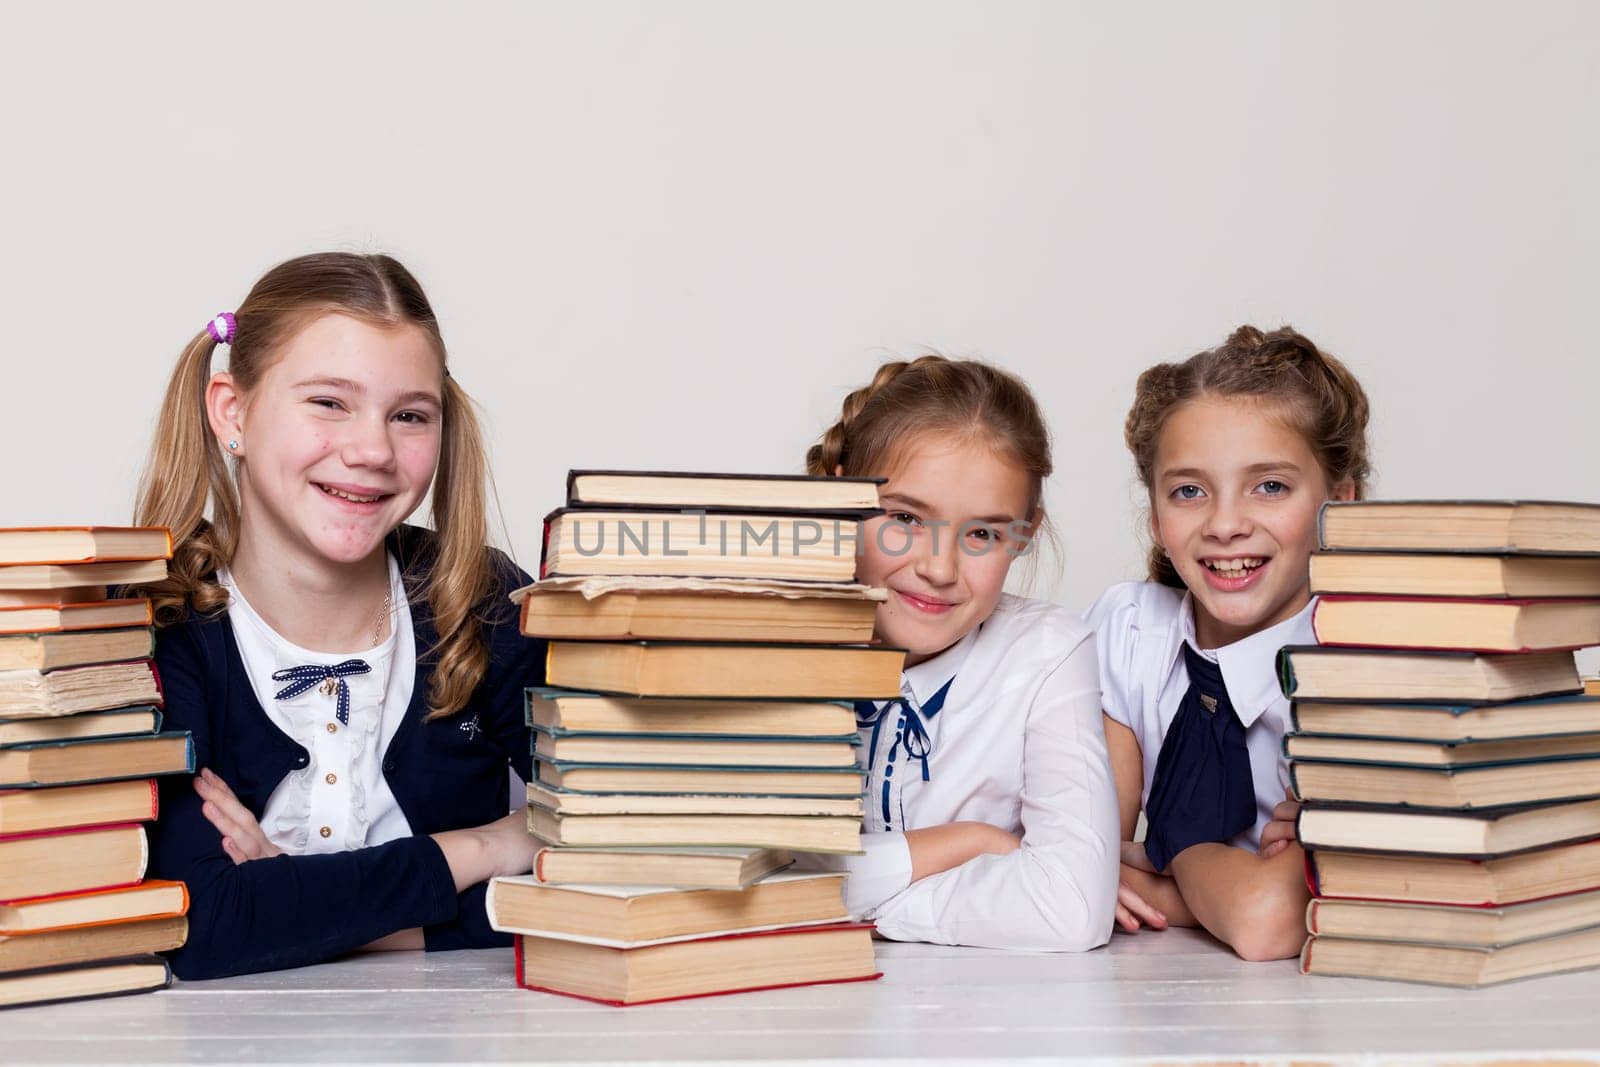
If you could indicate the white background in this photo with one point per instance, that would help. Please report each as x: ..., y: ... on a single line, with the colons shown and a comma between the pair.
x: 674, y: 235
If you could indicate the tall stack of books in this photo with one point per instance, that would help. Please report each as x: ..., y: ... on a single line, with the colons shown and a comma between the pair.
x: 707, y: 636
x: 1443, y: 747
x: 80, y: 739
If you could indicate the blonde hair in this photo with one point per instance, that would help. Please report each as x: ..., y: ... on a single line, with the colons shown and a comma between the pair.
x: 187, y: 472
x: 963, y: 398
x: 1323, y: 400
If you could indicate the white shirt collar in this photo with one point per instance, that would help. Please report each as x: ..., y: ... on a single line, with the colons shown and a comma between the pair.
x: 1250, y: 665
x: 924, y: 679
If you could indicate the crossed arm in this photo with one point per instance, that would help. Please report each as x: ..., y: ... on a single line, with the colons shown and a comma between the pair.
x: 1253, y: 902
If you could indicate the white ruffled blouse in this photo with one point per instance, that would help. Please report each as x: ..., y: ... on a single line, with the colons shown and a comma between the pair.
x: 339, y: 800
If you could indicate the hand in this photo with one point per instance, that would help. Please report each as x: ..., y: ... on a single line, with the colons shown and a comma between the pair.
x: 1279, y: 834
x: 1133, y: 909
x: 1134, y: 855
x: 242, y: 837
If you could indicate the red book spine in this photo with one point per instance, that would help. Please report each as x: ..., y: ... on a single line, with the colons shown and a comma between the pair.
x: 155, y: 673
x: 67, y: 831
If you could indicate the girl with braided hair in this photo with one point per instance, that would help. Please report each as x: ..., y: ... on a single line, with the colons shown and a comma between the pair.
x: 1238, y: 447
x: 991, y: 811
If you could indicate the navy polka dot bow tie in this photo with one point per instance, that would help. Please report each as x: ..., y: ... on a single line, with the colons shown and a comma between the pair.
x: 301, y: 679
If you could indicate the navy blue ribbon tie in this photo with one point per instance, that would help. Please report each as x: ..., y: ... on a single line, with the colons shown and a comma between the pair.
x: 911, y: 734
x: 1202, y: 789
x: 301, y: 679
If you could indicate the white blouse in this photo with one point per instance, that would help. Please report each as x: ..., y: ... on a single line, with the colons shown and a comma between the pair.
x: 1140, y: 629
x: 339, y: 800
x: 1017, y: 744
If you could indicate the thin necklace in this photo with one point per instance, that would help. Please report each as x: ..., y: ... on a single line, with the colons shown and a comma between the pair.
x: 379, y: 624
x: 331, y: 685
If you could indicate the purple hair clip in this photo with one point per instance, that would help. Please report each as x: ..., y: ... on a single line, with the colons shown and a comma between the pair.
x: 224, y: 328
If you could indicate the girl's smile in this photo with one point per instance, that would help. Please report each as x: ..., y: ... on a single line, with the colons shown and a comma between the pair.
x: 341, y: 437
x: 956, y: 507
x: 1234, y: 505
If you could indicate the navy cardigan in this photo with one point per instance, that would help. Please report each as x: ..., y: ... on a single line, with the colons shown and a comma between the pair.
x: 288, y: 911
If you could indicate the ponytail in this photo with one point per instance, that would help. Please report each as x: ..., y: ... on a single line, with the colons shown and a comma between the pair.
x: 188, y: 471
x: 462, y: 578
x: 186, y: 468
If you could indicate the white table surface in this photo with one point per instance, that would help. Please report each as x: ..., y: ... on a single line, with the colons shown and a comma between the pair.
x: 1172, y: 996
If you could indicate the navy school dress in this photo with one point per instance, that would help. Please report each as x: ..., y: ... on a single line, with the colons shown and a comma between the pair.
x: 289, y: 911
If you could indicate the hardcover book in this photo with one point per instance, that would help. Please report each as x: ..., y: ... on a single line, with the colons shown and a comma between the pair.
x: 1543, y: 717
x: 96, y: 907
x: 688, y: 867
x: 26, y: 952
x: 1376, y: 920
x: 85, y: 981
x: 564, y: 802
x: 30, y: 811
x: 1452, y: 788
x: 94, y: 615
x: 725, y: 781
x: 62, y: 597
x: 66, y: 861
x: 95, y: 759
x: 624, y: 915
x: 116, y: 722
x: 1385, y: 752
x: 71, y: 576
x: 83, y: 544
x: 818, y: 548
x: 1455, y: 623
x: 560, y: 711
x: 1479, y: 526
x: 29, y: 694
x: 52, y: 651
x: 1467, y: 966
x: 1524, y: 876
x: 674, y: 489
x: 1467, y: 835
x: 1458, y: 576
x: 609, y: 608
x: 751, y: 672
x: 733, y: 963
x: 1368, y: 675
x: 795, y: 833
x: 692, y: 751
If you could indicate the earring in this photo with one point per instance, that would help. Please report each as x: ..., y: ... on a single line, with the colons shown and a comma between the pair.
x: 233, y: 445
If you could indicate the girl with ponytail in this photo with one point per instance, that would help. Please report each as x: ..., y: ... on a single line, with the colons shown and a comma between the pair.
x: 991, y: 815
x: 353, y: 684
x: 1238, y: 448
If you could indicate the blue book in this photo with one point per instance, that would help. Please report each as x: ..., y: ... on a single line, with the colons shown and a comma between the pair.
x: 98, y: 759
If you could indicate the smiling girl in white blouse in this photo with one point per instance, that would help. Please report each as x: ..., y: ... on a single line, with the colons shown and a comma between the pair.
x: 991, y: 810
x: 1239, y: 447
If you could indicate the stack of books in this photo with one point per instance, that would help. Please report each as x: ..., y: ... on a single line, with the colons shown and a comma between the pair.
x: 1443, y: 747
x: 80, y: 742
x: 706, y: 639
